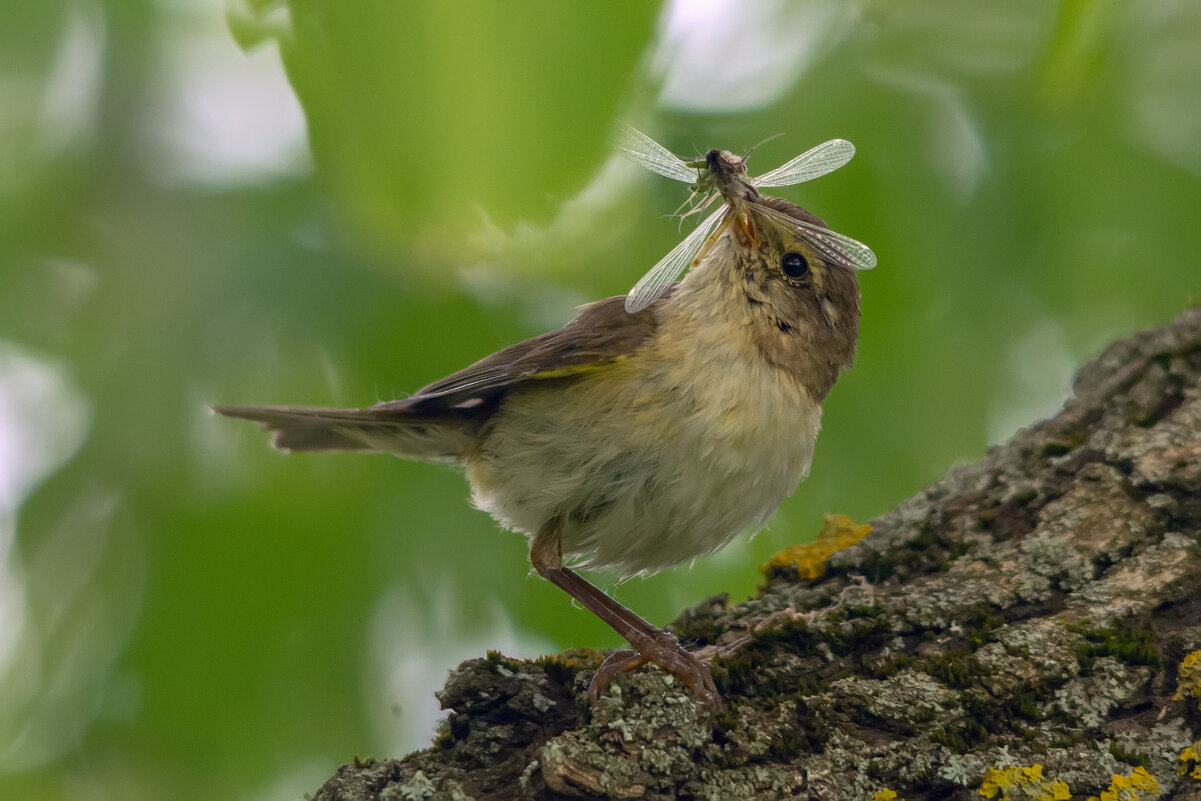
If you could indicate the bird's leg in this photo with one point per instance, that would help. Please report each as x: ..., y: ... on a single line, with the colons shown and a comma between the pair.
x: 650, y: 643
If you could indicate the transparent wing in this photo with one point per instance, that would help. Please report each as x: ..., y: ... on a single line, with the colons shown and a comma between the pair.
x: 838, y: 249
x: 813, y: 163
x: 833, y: 247
x: 660, y: 277
x: 646, y: 152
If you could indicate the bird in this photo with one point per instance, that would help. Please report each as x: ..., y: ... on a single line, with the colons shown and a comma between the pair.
x: 639, y: 441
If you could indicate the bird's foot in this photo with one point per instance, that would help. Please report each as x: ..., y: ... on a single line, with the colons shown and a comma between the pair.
x: 663, y: 649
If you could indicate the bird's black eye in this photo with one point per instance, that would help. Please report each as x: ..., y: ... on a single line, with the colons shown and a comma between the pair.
x: 794, y: 265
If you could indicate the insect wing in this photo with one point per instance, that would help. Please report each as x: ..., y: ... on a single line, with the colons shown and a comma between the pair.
x: 838, y: 249
x: 813, y: 163
x: 660, y: 277
x: 833, y: 247
x: 646, y: 152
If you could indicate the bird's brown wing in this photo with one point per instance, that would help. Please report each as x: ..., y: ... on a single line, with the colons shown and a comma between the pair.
x: 438, y: 422
x: 602, y: 335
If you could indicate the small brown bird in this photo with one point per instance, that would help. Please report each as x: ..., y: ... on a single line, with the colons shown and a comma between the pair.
x: 640, y: 440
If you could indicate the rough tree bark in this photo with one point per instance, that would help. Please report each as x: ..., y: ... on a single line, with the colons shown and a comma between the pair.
x: 1028, y: 627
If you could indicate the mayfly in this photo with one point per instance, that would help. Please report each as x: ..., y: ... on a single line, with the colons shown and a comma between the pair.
x: 722, y: 173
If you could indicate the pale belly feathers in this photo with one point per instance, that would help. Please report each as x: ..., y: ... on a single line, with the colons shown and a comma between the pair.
x: 653, y: 461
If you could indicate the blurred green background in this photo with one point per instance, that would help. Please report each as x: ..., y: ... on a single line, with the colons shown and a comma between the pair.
x: 318, y: 202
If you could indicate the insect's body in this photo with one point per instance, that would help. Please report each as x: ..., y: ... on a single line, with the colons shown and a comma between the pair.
x: 723, y: 172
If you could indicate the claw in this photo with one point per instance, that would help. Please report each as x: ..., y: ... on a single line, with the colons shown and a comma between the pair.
x: 666, y: 652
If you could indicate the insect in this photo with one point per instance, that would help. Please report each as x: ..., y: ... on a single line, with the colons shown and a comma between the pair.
x: 724, y: 174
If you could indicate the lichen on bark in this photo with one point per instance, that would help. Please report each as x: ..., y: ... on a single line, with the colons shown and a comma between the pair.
x: 1028, y: 627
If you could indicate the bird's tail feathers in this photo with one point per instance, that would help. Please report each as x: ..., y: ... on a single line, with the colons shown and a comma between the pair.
x: 407, y: 434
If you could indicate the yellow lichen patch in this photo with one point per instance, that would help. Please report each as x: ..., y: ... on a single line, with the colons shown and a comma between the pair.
x: 1015, y: 783
x: 1190, y: 678
x: 885, y: 794
x: 1190, y: 761
x: 838, y: 532
x: 1138, y: 786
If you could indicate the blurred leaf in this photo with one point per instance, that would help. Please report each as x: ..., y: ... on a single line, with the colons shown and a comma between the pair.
x: 253, y: 22
x: 425, y: 116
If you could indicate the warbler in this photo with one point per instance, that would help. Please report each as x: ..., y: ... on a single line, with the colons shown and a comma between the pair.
x: 639, y: 441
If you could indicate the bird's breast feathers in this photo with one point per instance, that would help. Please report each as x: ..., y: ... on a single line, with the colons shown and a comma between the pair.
x: 658, y: 459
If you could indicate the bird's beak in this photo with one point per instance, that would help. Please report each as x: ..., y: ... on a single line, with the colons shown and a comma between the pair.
x: 746, y: 226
